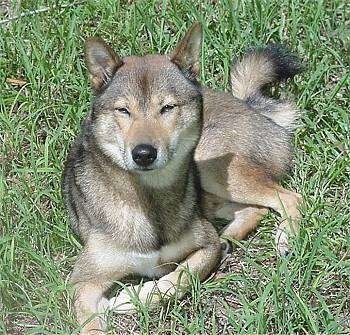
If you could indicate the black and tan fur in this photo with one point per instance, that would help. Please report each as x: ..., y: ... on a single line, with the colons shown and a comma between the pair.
x: 217, y: 155
x: 245, y: 147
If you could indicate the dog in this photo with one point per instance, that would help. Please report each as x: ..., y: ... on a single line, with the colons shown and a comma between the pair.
x: 159, y: 157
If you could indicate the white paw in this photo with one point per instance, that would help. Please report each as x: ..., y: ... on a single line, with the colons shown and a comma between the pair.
x: 282, y: 243
x: 149, y: 294
x: 123, y: 302
x: 166, y: 288
x: 103, y: 305
x: 129, y: 298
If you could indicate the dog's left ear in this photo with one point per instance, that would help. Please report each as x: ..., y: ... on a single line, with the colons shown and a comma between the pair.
x: 187, y: 53
x: 102, y: 62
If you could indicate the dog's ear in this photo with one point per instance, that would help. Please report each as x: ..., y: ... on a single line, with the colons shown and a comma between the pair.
x: 102, y: 62
x: 187, y: 53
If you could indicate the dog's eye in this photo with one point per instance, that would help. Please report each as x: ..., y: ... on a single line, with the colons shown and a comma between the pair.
x: 167, y: 108
x: 122, y: 111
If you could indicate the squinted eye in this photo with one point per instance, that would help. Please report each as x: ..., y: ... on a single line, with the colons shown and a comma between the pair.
x: 122, y: 111
x: 166, y: 109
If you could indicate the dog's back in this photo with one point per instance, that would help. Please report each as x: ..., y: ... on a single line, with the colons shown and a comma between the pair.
x: 247, y: 123
x: 245, y: 147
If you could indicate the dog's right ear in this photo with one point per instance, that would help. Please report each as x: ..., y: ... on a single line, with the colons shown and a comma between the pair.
x: 187, y: 53
x: 102, y: 62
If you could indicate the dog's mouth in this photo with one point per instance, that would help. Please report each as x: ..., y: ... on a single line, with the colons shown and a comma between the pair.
x: 156, y: 166
x: 145, y: 169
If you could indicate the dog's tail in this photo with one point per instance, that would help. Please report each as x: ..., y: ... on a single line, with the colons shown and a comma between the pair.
x: 261, y: 67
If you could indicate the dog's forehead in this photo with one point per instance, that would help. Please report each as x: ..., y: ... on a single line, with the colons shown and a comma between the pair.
x: 148, y: 70
x: 149, y: 76
x: 146, y: 62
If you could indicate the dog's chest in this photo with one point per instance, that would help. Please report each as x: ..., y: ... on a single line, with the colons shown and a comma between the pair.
x: 144, y: 218
x: 144, y: 225
x: 151, y: 263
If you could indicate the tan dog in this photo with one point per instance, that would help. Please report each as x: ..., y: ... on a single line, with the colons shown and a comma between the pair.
x: 131, y: 184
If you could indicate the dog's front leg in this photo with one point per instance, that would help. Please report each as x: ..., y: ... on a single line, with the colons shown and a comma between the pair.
x: 200, y: 263
x: 90, y: 279
x: 90, y: 305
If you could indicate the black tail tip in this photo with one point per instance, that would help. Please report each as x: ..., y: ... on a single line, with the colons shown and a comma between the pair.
x: 286, y: 64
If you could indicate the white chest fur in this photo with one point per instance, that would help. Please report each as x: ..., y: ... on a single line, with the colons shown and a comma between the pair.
x: 107, y: 256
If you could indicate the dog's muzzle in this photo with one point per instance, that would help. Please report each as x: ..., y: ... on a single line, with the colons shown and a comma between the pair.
x: 144, y: 155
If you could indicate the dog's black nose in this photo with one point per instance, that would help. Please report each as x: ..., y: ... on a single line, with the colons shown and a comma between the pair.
x: 144, y: 154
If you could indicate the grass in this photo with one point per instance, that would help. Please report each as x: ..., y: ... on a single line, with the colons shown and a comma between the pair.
x: 305, y: 293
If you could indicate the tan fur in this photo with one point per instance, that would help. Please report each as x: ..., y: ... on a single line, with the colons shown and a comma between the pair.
x: 245, y: 81
x: 286, y: 115
x: 153, y: 220
x: 239, y: 181
x: 245, y: 221
x: 135, y: 221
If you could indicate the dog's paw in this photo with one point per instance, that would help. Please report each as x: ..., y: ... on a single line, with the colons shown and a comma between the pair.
x: 98, y: 325
x: 149, y: 294
x: 282, y: 243
x: 103, y: 305
x: 129, y: 298
x: 123, y: 302
x: 226, y: 248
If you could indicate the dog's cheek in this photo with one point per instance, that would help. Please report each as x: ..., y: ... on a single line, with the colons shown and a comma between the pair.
x: 189, y: 126
x: 173, y: 142
x: 106, y: 128
x: 171, y: 129
x: 110, y: 139
x: 189, y: 115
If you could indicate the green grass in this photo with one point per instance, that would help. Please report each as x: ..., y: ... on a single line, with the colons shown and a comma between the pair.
x: 306, y: 293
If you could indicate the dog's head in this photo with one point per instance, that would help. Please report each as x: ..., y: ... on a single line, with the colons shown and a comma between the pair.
x: 147, y: 110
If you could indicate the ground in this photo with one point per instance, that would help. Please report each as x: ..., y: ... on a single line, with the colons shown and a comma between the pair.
x: 45, y: 94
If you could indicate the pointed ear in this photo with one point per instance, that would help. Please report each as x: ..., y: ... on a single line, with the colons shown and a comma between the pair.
x: 187, y: 53
x: 102, y: 62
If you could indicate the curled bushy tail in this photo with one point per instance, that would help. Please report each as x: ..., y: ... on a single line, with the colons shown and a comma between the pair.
x: 261, y: 67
